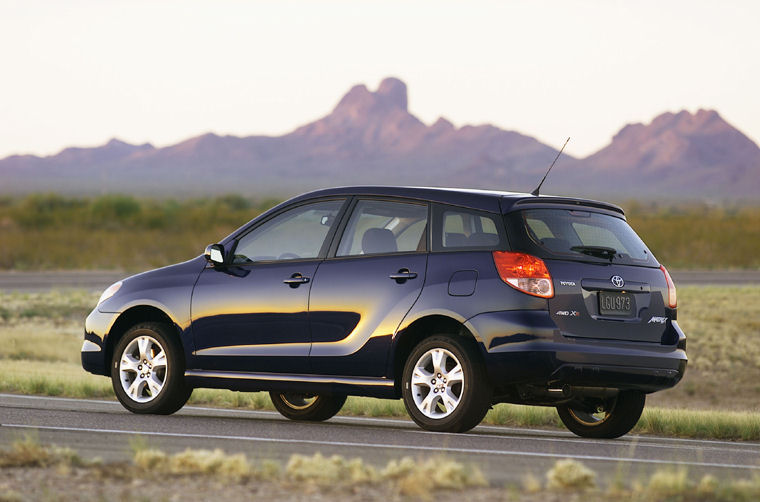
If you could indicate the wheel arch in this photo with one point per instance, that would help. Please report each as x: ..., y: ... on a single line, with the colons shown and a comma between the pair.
x: 132, y: 316
x: 416, y: 331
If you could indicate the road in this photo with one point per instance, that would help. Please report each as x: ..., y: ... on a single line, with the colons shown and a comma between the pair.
x: 94, y: 280
x: 33, y: 282
x: 105, y: 429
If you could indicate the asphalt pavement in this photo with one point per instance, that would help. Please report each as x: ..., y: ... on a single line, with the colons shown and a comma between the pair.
x: 104, y: 429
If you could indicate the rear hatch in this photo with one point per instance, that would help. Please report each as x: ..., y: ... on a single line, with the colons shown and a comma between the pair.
x: 607, y: 284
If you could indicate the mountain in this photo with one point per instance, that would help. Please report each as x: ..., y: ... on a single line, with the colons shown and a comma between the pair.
x: 683, y: 153
x: 371, y: 137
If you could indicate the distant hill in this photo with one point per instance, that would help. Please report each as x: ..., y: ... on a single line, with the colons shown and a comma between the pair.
x: 370, y: 137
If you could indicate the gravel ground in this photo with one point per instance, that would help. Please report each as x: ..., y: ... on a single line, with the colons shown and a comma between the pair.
x: 115, y: 482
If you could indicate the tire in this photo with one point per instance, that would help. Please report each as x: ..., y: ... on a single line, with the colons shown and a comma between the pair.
x: 145, y: 381
x: 618, y: 416
x: 307, y: 407
x: 448, y: 366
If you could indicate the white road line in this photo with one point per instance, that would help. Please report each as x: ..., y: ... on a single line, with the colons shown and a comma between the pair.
x: 629, y: 443
x: 629, y: 439
x: 387, y: 446
x: 517, y: 433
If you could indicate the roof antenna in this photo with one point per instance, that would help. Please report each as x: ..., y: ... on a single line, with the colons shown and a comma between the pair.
x: 535, y: 192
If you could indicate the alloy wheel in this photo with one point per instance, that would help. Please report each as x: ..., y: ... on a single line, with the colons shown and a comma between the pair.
x: 437, y: 383
x: 143, y: 369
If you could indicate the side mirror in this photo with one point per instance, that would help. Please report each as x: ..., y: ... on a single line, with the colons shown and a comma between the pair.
x: 215, y: 254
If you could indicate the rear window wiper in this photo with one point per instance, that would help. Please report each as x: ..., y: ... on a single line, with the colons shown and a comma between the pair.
x: 597, y: 251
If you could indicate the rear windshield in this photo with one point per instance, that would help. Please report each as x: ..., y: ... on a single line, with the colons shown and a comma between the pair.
x: 577, y: 235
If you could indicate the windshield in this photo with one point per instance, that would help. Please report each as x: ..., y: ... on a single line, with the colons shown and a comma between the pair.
x: 577, y: 235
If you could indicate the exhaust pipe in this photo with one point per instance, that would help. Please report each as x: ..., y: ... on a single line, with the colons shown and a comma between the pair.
x: 571, y: 391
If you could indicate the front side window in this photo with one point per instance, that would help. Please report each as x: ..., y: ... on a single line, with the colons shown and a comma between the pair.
x: 381, y: 227
x: 298, y: 233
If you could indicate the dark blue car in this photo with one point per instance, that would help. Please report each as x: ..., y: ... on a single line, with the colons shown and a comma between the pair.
x: 450, y: 299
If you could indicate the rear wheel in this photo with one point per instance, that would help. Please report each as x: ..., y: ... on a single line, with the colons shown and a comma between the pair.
x: 147, y: 370
x: 309, y: 407
x: 603, y: 418
x: 444, y: 385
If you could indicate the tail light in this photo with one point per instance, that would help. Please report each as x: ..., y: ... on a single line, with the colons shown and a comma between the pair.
x: 672, y: 298
x: 524, y: 272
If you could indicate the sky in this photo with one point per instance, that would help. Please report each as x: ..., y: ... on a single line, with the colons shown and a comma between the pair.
x: 80, y: 72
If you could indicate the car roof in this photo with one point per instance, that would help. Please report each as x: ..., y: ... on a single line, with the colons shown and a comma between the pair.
x: 486, y: 200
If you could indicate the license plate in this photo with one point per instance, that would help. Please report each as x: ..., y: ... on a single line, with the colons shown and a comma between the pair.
x: 615, y: 304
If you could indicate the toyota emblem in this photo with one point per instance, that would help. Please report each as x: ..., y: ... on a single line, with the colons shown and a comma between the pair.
x: 617, y: 281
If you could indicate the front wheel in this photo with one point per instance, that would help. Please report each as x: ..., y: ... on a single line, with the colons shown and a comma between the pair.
x: 444, y: 385
x: 147, y: 370
x: 603, y: 418
x: 308, y: 407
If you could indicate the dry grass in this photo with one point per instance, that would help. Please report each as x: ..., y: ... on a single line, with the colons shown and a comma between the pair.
x: 55, y: 307
x: 708, y: 424
x: 42, y: 341
x: 723, y: 326
x: 28, y: 452
x: 52, y: 379
x: 406, y: 474
x: 338, y: 478
x: 570, y: 475
x: 329, y: 471
x: 208, y: 462
x: 417, y: 477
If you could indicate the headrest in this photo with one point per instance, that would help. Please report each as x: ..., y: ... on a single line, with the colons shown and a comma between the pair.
x: 378, y: 240
x: 482, y: 239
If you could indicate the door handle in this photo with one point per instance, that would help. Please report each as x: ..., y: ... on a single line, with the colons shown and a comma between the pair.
x: 403, y: 275
x: 296, y: 280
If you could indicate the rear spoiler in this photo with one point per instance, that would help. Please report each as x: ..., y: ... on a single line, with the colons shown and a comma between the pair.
x: 556, y: 202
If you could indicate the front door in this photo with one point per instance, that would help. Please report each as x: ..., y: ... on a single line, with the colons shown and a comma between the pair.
x: 252, y: 315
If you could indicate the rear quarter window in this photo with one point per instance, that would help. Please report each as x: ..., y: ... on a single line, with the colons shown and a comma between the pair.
x: 459, y: 229
x: 577, y: 235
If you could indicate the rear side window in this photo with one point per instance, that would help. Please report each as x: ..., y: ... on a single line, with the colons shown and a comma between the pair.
x: 457, y: 229
x: 577, y: 235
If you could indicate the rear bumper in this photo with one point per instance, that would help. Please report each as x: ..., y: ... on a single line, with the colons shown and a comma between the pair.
x: 526, y: 347
x: 617, y: 377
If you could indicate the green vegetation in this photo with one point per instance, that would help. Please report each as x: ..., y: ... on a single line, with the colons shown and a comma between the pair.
x: 699, y: 236
x: 41, y: 335
x: 48, y: 231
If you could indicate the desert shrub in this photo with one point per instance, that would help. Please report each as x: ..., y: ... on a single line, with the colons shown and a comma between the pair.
x: 572, y: 475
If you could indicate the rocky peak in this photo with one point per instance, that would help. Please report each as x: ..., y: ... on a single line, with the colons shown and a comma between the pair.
x: 442, y: 124
x: 361, y: 102
x: 392, y: 92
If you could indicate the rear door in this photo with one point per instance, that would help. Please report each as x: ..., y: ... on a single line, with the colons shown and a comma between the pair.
x: 361, y: 293
x: 607, y: 283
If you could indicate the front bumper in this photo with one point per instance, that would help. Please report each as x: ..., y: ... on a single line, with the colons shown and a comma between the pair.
x: 526, y: 347
x: 96, y: 327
